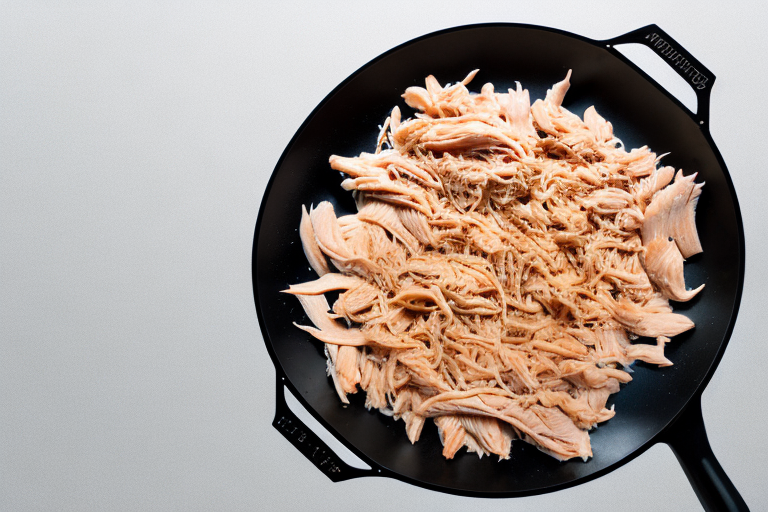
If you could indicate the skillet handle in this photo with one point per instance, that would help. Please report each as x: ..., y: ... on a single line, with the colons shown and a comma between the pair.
x: 679, y: 59
x: 688, y: 440
x: 309, y: 444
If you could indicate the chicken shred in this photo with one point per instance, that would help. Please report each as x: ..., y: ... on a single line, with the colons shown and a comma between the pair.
x: 503, y: 256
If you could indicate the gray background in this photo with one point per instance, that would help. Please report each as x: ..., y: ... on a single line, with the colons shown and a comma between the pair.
x: 135, y: 144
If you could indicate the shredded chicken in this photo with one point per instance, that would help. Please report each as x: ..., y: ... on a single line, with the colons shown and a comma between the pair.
x: 503, y: 258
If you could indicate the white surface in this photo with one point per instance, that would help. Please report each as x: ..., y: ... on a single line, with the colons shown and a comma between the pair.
x: 135, y: 144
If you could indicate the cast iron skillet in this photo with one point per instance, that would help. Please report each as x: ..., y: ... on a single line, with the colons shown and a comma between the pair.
x: 659, y: 405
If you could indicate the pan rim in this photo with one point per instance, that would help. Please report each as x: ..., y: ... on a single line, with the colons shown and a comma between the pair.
x: 378, y: 469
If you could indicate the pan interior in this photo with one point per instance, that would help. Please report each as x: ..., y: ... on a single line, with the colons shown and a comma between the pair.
x: 346, y: 124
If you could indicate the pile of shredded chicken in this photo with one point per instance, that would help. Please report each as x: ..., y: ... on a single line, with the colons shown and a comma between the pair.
x: 503, y: 261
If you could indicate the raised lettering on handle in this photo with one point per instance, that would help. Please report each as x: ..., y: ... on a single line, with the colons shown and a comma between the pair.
x: 678, y: 58
x: 309, y: 444
x: 665, y: 49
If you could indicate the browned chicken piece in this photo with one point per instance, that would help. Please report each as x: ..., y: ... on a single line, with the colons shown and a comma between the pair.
x: 597, y: 398
x: 353, y: 303
x: 328, y: 233
x: 600, y: 128
x: 331, y: 241
x: 452, y: 434
x: 373, y: 380
x: 455, y: 135
x: 312, y: 251
x: 347, y: 368
x: 644, y: 322
x: 486, y: 436
x: 438, y: 101
x: 326, y: 283
x: 644, y: 190
x: 331, y: 353
x: 611, y: 346
x: 608, y: 200
x: 481, y: 435
x: 652, y: 354
x: 543, y: 118
x: 556, y: 94
x: 516, y: 109
x: 382, y: 163
x: 385, y: 215
x: 502, y: 256
x: 414, y: 423
x: 418, y: 225
x: 549, y: 429
x: 664, y: 265
x: 589, y: 375
x: 407, y: 401
x: 578, y: 409
x: 671, y: 214
x: 327, y: 330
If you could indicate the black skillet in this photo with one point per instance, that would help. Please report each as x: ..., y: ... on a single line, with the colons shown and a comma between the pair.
x: 659, y: 405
